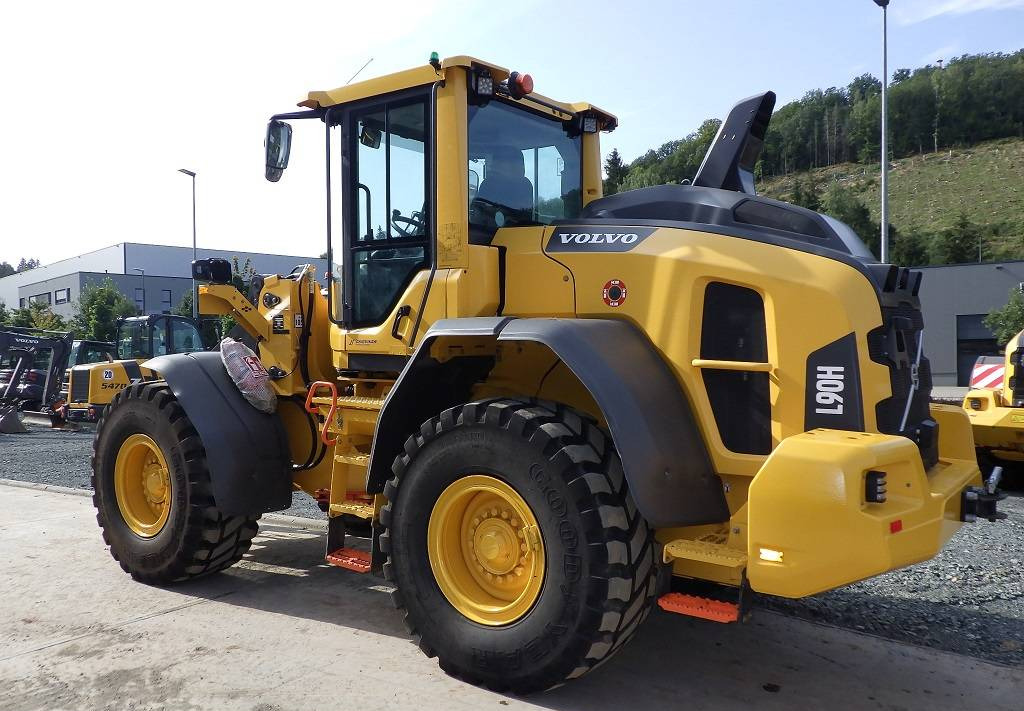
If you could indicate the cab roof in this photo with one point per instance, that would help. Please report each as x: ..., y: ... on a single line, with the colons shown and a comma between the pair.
x: 426, y: 74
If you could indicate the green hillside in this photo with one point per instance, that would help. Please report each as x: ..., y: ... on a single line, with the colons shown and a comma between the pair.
x: 929, y: 193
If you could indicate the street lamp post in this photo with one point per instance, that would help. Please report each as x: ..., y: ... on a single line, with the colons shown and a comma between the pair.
x: 143, y: 273
x: 884, y: 4
x: 195, y: 291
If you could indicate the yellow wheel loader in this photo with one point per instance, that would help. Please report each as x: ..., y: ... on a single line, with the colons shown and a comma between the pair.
x: 995, y: 405
x: 554, y: 408
x: 92, y: 386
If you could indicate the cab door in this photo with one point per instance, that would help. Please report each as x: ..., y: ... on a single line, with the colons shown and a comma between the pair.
x: 387, y: 246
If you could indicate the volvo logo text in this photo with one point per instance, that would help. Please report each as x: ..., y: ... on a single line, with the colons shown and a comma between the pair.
x: 588, y: 239
x: 599, y: 237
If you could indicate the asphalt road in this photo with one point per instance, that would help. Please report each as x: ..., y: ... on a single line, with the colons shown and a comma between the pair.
x: 283, y: 631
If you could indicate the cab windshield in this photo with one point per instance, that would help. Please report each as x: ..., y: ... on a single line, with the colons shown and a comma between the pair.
x: 148, y: 338
x: 524, y: 169
x: 82, y: 353
x: 133, y: 340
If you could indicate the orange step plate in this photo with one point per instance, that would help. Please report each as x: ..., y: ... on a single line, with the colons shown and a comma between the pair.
x: 707, y: 609
x: 350, y: 559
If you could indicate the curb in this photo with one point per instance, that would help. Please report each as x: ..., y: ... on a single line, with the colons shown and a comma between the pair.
x: 45, y: 487
x: 309, y: 524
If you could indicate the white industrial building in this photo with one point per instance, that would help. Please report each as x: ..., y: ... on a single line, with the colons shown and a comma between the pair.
x: 153, y: 276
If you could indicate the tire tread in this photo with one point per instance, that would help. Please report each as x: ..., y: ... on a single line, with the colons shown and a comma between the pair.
x: 621, y: 547
x: 212, y: 540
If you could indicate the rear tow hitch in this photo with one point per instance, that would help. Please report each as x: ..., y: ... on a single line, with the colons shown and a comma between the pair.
x: 980, y: 501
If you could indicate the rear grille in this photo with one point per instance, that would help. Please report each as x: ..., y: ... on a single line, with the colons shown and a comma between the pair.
x: 895, y: 344
x: 80, y: 385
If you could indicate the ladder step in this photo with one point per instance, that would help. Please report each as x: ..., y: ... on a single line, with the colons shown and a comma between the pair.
x: 702, y: 607
x: 350, y: 559
x: 354, y: 458
x: 353, y: 509
x: 360, y: 403
x: 704, y: 552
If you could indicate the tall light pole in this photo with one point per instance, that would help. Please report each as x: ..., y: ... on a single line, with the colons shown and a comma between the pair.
x: 884, y: 4
x: 195, y: 290
x: 143, y: 273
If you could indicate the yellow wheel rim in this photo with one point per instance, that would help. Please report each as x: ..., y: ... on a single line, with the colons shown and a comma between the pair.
x: 486, y: 550
x: 142, y: 484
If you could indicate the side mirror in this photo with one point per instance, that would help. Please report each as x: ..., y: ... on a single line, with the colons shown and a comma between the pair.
x: 370, y: 137
x: 278, y: 146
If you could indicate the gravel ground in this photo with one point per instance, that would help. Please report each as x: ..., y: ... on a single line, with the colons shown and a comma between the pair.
x: 968, y: 600
x: 62, y: 458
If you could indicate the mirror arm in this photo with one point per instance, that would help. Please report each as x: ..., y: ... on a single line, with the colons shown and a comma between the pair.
x: 300, y: 115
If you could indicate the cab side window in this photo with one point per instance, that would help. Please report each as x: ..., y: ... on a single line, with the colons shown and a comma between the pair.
x: 389, y: 224
x: 184, y: 337
x: 160, y: 337
x: 524, y: 169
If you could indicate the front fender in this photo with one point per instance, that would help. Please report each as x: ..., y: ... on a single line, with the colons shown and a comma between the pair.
x: 246, y: 450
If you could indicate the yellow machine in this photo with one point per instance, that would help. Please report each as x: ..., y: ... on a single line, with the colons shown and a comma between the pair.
x: 553, y: 408
x: 92, y: 386
x: 997, y: 412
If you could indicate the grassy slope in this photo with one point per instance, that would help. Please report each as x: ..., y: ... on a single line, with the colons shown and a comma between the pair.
x: 928, y: 192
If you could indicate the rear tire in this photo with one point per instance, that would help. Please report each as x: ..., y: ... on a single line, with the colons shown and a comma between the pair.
x: 194, y: 538
x: 599, y: 570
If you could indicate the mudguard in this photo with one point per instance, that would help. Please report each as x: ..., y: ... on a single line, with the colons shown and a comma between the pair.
x: 246, y: 450
x: 650, y: 420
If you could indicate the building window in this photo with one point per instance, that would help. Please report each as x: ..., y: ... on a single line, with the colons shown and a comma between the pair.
x: 62, y: 296
x: 733, y: 329
x: 165, y: 299
x: 140, y: 299
x: 21, y: 303
x: 46, y: 299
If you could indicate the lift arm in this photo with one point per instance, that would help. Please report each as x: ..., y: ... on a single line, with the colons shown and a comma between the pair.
x: 226, y: 299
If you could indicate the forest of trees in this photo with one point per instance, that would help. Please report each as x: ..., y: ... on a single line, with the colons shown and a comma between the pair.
x: 973, y: 98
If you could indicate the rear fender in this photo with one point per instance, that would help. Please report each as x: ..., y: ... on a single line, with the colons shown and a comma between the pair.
x: 650, y: 420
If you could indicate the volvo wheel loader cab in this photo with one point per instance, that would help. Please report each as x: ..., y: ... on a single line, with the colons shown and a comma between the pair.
x: 91, y: 386
x: 547, y: 403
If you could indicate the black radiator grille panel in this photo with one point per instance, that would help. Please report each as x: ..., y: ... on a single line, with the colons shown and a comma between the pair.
x: 79, y: 385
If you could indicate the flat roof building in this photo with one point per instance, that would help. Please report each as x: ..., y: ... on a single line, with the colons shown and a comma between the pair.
x: 954, y: 300
x: 155, y: 277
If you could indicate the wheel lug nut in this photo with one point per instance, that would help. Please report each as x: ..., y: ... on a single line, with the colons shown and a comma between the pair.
x: 519, y: 569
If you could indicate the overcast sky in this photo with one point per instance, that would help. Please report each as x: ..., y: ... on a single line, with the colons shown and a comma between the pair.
x: 102, y: 102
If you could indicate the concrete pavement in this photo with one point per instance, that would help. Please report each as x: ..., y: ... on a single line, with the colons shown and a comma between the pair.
x: 283, y: 631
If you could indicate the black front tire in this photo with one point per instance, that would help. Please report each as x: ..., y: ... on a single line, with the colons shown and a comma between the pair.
x: 601, y: 573
x: 197, y: 538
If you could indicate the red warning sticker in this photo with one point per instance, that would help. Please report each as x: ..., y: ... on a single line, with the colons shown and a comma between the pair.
x: 614, y: 292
